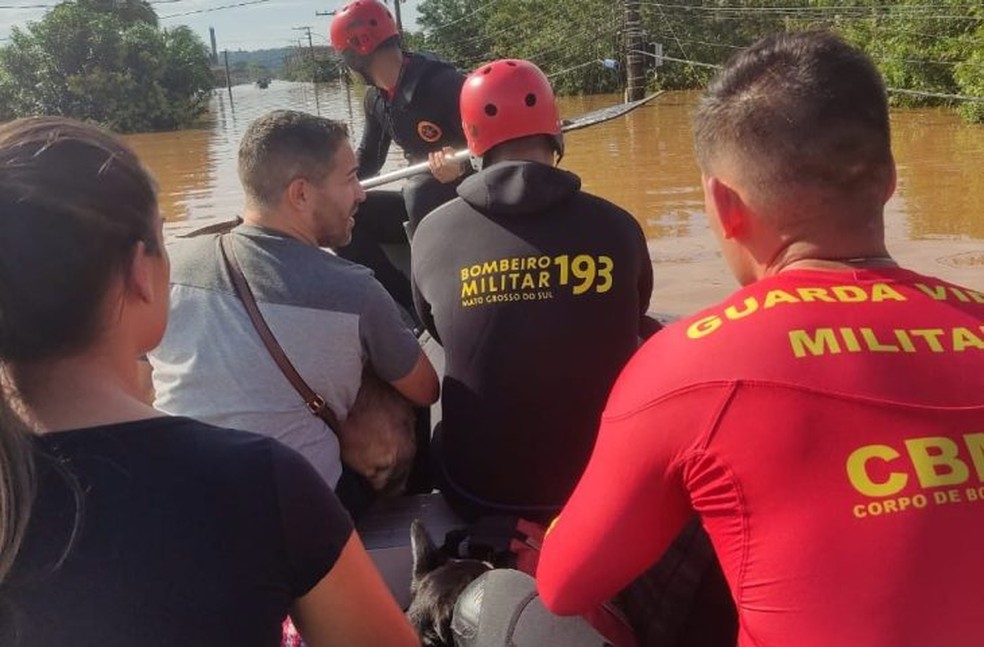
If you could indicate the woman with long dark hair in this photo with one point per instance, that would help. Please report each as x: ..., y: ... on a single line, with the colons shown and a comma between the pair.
x: 120, y: 525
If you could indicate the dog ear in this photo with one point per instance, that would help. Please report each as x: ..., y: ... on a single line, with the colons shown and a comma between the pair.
x: 426, y: 556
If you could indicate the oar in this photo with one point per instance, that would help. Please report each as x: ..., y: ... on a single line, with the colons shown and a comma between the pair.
x: 576, y: 123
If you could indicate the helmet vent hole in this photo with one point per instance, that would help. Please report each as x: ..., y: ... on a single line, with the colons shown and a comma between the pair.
x: 511, y: 63
x: 530, y: 100
x: 491, y: 110
x: 487, y: 70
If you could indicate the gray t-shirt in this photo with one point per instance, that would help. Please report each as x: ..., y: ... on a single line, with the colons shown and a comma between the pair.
x: 330, y: 316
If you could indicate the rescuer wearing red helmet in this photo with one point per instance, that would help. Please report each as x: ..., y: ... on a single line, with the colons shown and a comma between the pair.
x: 537, y: 292
x: 412, y: 99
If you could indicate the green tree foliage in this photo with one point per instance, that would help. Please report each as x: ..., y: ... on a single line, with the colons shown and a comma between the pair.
x: 928, y: 46
x: 89, y: 60
x: 567, y: 39
x: 129, y: 11
x: 319, y: 66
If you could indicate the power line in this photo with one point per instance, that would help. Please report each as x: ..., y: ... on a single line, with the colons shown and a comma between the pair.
x: 488, y: 3
x: 210, y: 9
x: 894, y: 9
x: 918, y: 93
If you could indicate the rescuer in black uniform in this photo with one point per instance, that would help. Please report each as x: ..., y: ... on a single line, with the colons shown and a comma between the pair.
x: 537, y: 291
x: 412, y: 99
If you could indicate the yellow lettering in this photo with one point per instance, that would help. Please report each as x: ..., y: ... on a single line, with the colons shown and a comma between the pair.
x: 605, y: 265
x: 904, y: 341
x: 936, y: 462
x: 469, y: 289
x: 561, y: 262
x: 703, y: 327
x: 964, y: 338
x: 874, y: 345
x: 751, y: 305
x: 961, y: 296
x: 543, y: 262
x: 528, y: 281
x: 775, y: 297
x: 975, y: 445
x: 883, y: 292
x: 544, y: 280
x: 937, y: 292
x: 464, y: 274
x: 857, y: 472
x: 850, y: 340
x: 823, y: 341
x: 849, y: 293
x: 815, y: 294
x: 931, y: 336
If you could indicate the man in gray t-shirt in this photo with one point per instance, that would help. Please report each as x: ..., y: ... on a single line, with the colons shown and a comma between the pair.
x: 330, y: 316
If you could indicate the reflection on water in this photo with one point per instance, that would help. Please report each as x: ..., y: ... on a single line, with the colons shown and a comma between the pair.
x: 642, y: 161
x: 941, y: 174
x: 196, y: 169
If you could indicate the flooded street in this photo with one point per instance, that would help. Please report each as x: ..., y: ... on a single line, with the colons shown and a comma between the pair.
x: 643, y: 162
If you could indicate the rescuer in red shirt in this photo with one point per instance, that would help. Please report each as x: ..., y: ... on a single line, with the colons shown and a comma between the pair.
x: 826, y: 422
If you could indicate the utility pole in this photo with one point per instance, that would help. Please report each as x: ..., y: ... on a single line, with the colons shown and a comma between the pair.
x: 635, y: 87
x: 307, y: 28
x: 225, y: 54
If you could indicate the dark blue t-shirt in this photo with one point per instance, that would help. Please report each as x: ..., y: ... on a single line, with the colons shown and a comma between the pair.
x: 168, y: 532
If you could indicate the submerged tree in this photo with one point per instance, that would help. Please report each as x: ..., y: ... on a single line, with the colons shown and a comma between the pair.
x: 106, y: 62
x: 930, y: 47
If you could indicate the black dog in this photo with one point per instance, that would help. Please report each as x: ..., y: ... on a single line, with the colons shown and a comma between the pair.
x: 437, y: 582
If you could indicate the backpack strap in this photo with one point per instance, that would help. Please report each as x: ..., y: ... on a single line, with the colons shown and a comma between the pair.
x: 315, y: 403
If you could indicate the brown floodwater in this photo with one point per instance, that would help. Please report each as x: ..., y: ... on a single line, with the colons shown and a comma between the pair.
x: 643, y: 162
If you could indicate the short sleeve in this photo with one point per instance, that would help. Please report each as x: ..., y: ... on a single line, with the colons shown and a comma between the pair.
x: 315, y: 525
x: 390, y: 345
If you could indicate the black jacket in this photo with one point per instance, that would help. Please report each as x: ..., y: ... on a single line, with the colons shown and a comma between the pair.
x: 422, y: 116
x: 536, y: 291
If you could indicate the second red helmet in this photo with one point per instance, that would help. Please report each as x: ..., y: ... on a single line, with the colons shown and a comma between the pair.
x: 361, y: 27
x: 507, y: 99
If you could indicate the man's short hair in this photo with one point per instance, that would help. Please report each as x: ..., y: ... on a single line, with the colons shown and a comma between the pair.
x: 284, y: 145
x: 798, y: 110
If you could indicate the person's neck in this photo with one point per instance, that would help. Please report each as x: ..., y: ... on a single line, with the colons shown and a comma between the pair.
x: 521, y: 151
x: 386, y: 70
x: 276, y: 221
x: 97, y: 387
x: 801, y: 256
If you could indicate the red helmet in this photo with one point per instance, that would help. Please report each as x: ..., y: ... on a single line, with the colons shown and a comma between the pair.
x: 362, y: 26
x: 505, y: 100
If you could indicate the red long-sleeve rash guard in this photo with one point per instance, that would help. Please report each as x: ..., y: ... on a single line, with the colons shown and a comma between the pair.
x: 828, y: 428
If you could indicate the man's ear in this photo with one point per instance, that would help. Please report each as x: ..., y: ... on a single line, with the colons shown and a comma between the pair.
x: 298, y: 193
x: 729, y: 207
x: 893, y: 180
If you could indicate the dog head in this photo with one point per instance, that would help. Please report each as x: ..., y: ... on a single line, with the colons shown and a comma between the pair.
x: 377, y: 439
x: 437, y: 582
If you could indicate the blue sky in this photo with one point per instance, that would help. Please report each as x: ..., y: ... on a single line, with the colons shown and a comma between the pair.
x: 264, y: 25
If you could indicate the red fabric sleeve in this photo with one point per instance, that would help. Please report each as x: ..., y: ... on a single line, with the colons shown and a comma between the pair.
x: 630, y: 503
